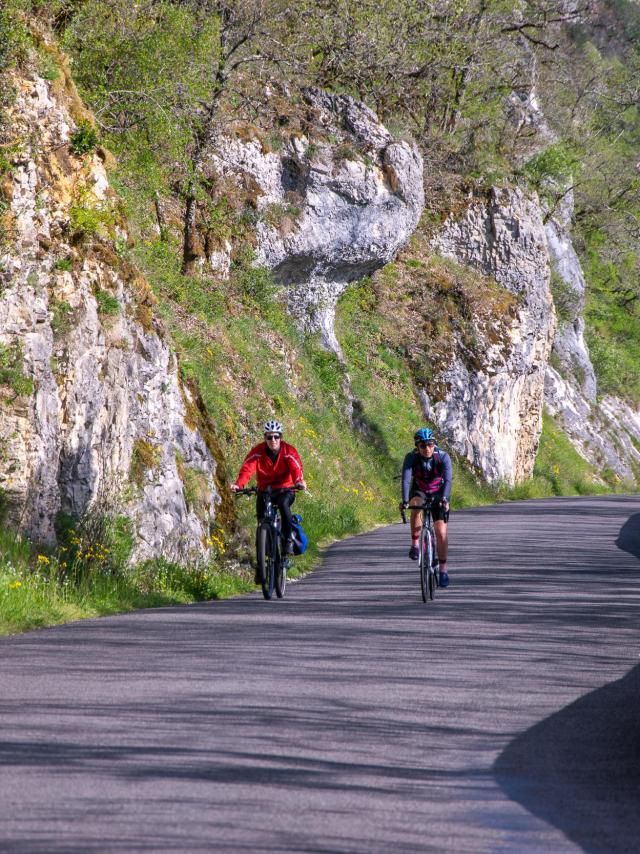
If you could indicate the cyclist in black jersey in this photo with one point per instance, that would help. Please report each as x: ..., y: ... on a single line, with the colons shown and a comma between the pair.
x: 427, y: 473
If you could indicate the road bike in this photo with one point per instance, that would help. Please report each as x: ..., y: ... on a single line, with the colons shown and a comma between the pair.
x: 271, y: 557
x: 427, y: 552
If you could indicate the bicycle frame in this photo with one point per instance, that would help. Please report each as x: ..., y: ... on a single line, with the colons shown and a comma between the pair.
x: 270, y: 553
x: 429, y: 579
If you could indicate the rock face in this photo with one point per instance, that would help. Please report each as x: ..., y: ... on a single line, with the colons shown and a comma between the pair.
x: 569, y: 344
x: 605, y: 432
x: 329, y: 212
x: 95, y: 414
x: 493, y: 414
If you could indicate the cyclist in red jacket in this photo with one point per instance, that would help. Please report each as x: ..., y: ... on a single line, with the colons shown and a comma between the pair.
x: 276, y: 464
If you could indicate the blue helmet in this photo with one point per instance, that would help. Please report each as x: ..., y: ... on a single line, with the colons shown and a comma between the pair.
x: 424, y: 434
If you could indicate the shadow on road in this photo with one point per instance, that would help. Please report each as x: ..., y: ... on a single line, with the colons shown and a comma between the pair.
x: 579, y: 769
x: 629, y: 536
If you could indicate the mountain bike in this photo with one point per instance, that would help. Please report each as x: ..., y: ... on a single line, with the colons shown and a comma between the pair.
x: 271, y: 558
x: 427, y: 556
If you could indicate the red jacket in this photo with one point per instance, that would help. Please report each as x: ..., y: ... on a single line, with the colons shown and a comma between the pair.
x: 286, y: 471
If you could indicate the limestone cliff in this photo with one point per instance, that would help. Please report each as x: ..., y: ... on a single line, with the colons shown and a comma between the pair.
x: 92, y: 409
x: 332, y: 207
x: 606, y: 432
x: 493, y: 414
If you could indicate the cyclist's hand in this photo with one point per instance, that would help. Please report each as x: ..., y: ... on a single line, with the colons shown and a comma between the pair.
x: 234, y: 487
x: 445, y: 505
x: 301, y: 484
x: 403, y: 505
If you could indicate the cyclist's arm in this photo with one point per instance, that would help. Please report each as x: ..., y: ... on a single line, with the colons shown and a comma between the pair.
x: 407, y: 474
x: 447, y: 475
x: 295, y: 465
x: 248, y: 468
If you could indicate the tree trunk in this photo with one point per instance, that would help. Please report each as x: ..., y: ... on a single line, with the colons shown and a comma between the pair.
x: 190, y: 253
x: 162, y: 223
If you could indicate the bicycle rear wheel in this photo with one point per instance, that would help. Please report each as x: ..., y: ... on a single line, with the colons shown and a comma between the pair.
x: 265, y: 555
x: 282, y: 563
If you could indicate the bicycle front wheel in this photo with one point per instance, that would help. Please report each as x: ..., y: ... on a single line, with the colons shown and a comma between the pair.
x: 265, y: 555
x: 427, y: 581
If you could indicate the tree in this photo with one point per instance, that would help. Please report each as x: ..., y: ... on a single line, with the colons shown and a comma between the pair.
x: 165, y: 74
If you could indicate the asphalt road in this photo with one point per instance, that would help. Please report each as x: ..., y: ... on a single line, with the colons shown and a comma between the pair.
x: 350, y: 717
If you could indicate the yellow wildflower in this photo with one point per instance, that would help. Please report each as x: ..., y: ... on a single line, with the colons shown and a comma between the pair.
x: 15, y: 585
x: 43, y: 559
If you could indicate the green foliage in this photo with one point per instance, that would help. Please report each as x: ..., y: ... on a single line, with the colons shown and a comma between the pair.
x: 89, y: 574
x: 14, y: 37
x: 612, y: 319
x: 84, y: 139
x: 555, y: 165
x: 47, y: 66
x: 96, y: 544
x: 144, y: 457
x: 565, y: 299
x: 195, y: 487
x: 108, y: 305
x: 12, y: 372
x: 255, y: 284
x: 62, y: 314
x: 89, y: 218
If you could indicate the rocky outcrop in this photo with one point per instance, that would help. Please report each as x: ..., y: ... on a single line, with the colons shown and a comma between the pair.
x: 331, y: 209
x: 570, y: 291
x: 605, y: 432
x: 492, y: 413
x: 93, y: 413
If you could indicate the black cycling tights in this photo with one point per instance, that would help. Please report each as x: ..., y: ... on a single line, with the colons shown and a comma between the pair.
x: 283, y: 500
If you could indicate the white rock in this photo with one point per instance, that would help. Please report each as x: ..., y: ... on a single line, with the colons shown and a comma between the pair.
x: 99, y: 389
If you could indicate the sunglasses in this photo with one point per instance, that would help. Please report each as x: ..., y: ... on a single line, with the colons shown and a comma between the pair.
x: 271, y: 437
x: 426, y: 444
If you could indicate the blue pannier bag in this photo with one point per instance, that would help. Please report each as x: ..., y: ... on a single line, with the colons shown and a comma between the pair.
x: 299, y: 537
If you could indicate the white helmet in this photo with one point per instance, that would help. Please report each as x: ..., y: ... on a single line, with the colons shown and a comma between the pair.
x: 272, y: 426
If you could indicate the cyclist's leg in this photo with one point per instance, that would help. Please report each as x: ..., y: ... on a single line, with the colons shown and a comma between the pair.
x: 442, y: 540
x: 285, y: 500
x: 415, y: 500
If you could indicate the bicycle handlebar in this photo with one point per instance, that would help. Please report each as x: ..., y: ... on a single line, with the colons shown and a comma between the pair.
x: 253, y: 490
x: 428, y: 504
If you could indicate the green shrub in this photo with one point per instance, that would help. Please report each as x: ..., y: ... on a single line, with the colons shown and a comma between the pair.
x: 556, y: 164
x: 99, y: 543
x: 107, y: 303
x: 84, y: 139
x: 14, y: 37
x: 12, y: 370
x: 88, y: 218
x: 255, y: 284
x: 62, y: 313
x: 144, y: 457
x: 47, y: 66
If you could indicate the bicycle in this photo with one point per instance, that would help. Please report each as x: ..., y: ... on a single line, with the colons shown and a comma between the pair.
x: 272, y: 561
x: 427, y: 554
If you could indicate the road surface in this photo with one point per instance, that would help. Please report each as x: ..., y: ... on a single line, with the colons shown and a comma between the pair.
x: 350, y: 717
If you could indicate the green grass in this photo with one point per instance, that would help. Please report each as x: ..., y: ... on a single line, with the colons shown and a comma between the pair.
x: 559, y: 469
x: 612, y: 325
x: 36, y: 591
